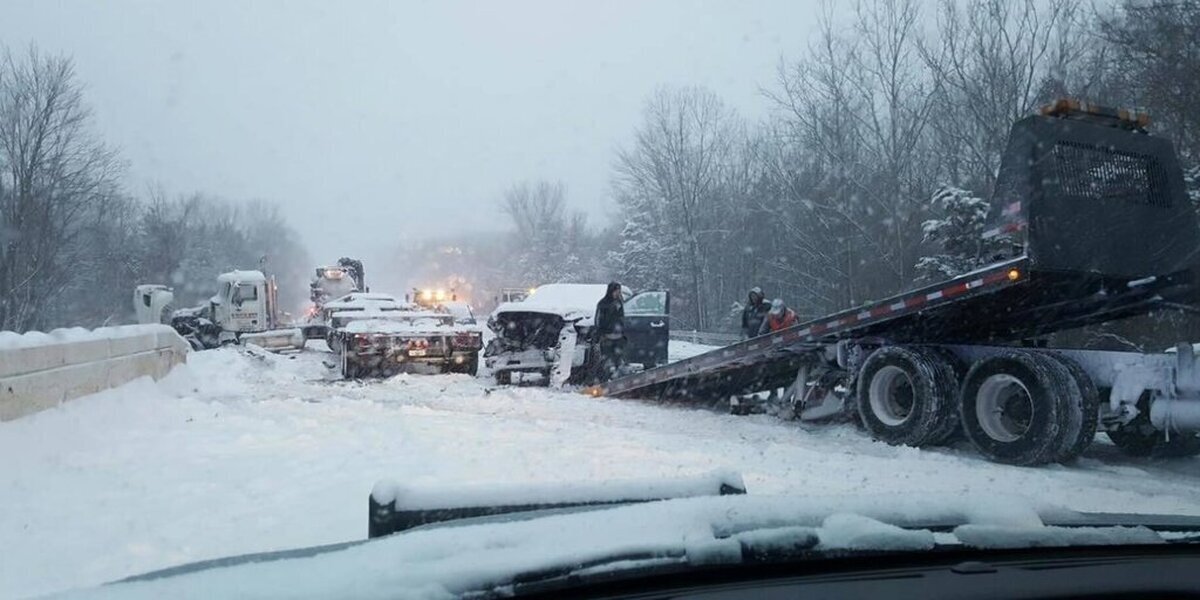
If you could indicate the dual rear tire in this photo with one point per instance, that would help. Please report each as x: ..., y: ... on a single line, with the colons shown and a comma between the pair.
x: 906, y: 396
x: 1020, y: 407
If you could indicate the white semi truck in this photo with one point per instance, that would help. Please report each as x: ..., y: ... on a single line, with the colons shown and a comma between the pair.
x: 244, y: 310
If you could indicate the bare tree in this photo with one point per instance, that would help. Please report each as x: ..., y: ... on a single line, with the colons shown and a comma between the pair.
x: 55, y: 176
x: 549, y: 242
x: 678, y: 160
x: 994, y: 62
x: 1154, y: 55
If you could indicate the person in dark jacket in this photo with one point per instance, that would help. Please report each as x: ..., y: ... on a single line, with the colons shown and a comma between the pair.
x: 779, y: 317
x: 608, y: 331
x: 754, y: 313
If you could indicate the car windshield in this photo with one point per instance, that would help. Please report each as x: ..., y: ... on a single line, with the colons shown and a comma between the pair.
x: 476, y: 298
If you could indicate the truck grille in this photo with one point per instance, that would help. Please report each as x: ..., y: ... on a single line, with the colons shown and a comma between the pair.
x: 1097, y: 173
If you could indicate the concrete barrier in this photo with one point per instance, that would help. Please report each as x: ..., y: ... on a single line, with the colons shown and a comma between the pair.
x: 42, y: 370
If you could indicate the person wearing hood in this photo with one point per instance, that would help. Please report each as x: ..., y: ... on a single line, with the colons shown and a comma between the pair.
x: 779, y: 317
x: 754, y: 313
x: 608, y: 331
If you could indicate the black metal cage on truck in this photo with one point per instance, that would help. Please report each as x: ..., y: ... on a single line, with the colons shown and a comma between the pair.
x: 1089, y: 223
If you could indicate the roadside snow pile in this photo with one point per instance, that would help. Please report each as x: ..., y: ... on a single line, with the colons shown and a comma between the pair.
x: 11, y: 339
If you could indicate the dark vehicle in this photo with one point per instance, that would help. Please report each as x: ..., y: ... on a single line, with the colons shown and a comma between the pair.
x: 648, y: 328
x: 1091, y: 223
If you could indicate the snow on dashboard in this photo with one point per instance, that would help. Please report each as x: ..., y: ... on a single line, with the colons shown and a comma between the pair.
x: 438, y: 497
x: 444, y: 561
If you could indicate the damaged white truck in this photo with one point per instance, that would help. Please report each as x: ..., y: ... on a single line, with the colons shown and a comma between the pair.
x: 546, y: 334
x: 244, y: 310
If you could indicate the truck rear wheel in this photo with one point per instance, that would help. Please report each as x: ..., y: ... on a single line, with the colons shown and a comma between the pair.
x: 906, y: 396
x: 1084, y: 411
x: 1010, y: 407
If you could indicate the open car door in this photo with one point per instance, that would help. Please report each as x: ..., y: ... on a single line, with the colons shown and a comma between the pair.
x: 647, y: 328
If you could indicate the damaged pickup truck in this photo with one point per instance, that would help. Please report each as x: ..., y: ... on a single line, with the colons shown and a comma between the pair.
x: 548, y: 333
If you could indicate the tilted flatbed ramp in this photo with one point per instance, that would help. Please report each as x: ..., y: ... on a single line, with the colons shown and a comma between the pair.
x: 997, y: 304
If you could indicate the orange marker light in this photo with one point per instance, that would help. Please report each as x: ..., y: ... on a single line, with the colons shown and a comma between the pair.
x: 1013, y: 274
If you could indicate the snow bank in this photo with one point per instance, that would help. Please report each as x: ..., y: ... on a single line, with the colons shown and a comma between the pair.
x: 41, y: 370
x: 10, y: 339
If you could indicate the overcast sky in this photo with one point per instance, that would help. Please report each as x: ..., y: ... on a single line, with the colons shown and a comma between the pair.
x: 373, y: 121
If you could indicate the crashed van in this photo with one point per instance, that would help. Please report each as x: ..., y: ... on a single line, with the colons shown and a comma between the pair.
x: 547, y: 333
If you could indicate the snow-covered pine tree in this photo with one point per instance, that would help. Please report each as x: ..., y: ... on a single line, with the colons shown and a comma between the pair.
x: 957, y: 234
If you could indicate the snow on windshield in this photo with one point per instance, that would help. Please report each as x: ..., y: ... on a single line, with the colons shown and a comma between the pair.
x: 477, y: 557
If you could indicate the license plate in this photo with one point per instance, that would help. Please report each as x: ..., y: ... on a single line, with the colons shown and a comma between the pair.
x: 416, y: 353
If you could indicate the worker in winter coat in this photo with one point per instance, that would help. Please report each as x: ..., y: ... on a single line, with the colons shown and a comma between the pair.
x: 779, y: 317
x: 608, y: 332
x: 754, y: 313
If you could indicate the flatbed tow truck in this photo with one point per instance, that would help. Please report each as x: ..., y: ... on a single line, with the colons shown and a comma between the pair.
x: 1097, y: 227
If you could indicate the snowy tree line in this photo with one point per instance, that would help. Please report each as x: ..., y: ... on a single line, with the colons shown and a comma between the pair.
x: 872, y: 172
x: 74, y: 241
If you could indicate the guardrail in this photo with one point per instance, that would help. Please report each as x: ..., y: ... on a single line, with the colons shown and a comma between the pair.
x: 42, y: 370
x: 706, y: 338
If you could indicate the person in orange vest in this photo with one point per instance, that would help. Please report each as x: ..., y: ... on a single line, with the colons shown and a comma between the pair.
x: 779, y: 317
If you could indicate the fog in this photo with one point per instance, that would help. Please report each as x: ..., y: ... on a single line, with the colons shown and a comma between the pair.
x: 373, y: 122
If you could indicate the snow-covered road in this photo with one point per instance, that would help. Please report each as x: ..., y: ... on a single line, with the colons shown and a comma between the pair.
x: 235, y: 453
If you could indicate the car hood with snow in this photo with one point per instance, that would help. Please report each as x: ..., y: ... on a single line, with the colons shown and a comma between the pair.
x: 571, y: 301
x: 501, y: 554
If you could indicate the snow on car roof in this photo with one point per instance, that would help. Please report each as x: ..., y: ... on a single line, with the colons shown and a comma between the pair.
x: 564, y: 299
